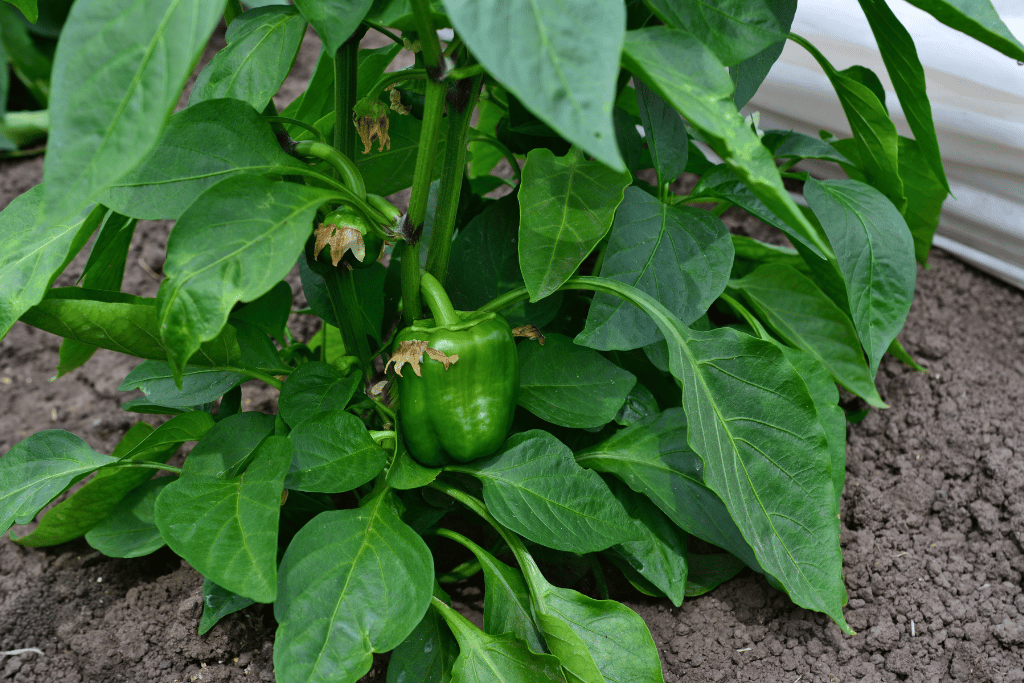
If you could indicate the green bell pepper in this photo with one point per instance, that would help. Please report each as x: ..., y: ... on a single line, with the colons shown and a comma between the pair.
x: 457, y: 403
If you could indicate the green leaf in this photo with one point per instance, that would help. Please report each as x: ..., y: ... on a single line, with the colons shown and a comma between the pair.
x: 533, y: 486
x: 875, y: 253
x: 803, y: 317
x: 639, y: 404
x: 269, y: 313
x: 925, y: 195
x: 679, y: 255
x: 191, y: 426
x: 219, y: 602
x: 653, y: 458
x: 560, y: 60
x: 566, y: 206
x: 664, y: 133
x: 426, y: 655
x: 976, y: 18
x: 334, y: 20
x: 37, y: 469
x: 261, y: 47
x: 227, y: 528
x: 390, y: 170
x: 351, y: 583
x: 722, y: 182
x: 788, y: 144
x: 570, y: 385
x: 484, y: 156
x: 873, y: 130
x: 313, y: 388
x: 596, y: 640
x: 118, y: 71
x: 126, y: 324
x: 199, y: 386
x: 34, y: 251
x: 372, y: 65
x: 485, y: 264
x: 707, y: 572
x: 200, y: 146
x: 688, y: 76
x: 234, y: 243
x: 28, y: 7
x: 230, y: 445
x: 100, y: 496
x: 333, y: 453
x: 131, y: 530
x: 405, y: 473
x: 317, y: 99
x: 507, y: 606
x: 660, y: 557
x: 734, y: 29
x: 485, y: 658
x: 748, y: 75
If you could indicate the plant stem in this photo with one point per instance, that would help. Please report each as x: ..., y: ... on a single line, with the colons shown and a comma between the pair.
x: 392, y: 77
x: 346, y: 66
x: 145, y: 464
x: 339, y: 161
x: 341, y: 290
x: 479, y: 136
x: 453, y: 168
x: 429, y: 43
x: 437, y: 299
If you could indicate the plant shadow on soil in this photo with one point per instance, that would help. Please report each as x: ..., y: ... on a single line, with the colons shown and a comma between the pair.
x: 932, y: 521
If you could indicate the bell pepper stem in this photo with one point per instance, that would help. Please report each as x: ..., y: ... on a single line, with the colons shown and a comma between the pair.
x: 341, y: 163
x: 437, y: 299
x: 346, y: 65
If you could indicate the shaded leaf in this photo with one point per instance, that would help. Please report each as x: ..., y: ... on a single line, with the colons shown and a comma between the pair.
x: 218, y: 603
x: 664, y: 134
x: 313, y: 388
x: 976, y: 18
x: 199, y: 386
x: 333, y: 453
x: 334, y: 20
x: 131, y: 530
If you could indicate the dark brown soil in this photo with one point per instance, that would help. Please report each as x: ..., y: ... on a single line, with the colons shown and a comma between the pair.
x: 933, y: 524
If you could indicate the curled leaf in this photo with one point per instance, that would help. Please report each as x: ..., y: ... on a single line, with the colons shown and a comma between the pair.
x: 396, y: 101
x: 411, y: 352
x: 530, y: 332
x: 340, y: 240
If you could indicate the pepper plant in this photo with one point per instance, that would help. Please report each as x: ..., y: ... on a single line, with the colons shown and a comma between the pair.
x: 606, y: 373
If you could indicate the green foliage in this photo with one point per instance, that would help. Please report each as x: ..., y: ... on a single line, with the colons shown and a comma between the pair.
x: 678, y: 380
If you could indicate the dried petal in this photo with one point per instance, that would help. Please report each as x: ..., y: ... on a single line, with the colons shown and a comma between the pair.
x: 411, y: 352
x: 340, y: 239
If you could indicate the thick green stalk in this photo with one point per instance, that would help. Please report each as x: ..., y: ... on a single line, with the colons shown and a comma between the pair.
x: 437, y: 299
x: 342, y: 163
x: 341, y: 290
x: 346, y: 66
x: 428, y: 36
x: 453, y: 168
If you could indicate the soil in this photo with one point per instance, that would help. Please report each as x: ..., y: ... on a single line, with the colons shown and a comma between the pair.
x: 932, y: 521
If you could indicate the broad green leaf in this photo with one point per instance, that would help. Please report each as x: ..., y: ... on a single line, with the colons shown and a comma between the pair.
x: 372, y: 64
x: 200, y: 146
x: 707, y: 572
x: 533, y: 486
x: 664, y: 133
x: 653, y: 458
x: 566, y: 206
x: 677, y: 66
x: 34, y: 251
x: 679, y: 255
x: 875, y: 253
x: 28, y: 7
x: 199, y: 386
x: 406, y: 473
x: 485, y: 263
x: 596, y: 640
x: 313, y: 388
x: 560, y: 60
x: 873, y: 131
x: 788, y: 144
x: 399, y: 14
x: 269, y: 313
x: 660, y: 557
x: 907, y: 74
x: 191, y: 426
x: 218, y: 603
x: 37, y: 469
x: 570, y: 385
x: 351, y: 583
x: 227, y: 527
x: 426, y: 655
x: 723, y: 182
x: 504, y: 658
x: 976, y: 18
x: 317, y: 99
x: 118, y: 71
x: 261, y: 47
x: 131, y: 530
x: 234, y: 243
x: 124, y: 323
x: 832, y: 417
x: 230, y: 445
x: 100, y: 496
x: 334, y: 20
x: 333, y: 453
x: 507, y: 606
x: 734, y: 29
x: 28, y: 63
x: 748, y: 75
x: 925, y: 196
x: 803, y: 317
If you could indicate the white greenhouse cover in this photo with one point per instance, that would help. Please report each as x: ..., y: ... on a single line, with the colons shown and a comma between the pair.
x: 977, y: 97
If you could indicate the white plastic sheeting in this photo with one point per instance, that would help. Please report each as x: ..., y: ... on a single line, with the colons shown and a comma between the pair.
x: 977, y: 97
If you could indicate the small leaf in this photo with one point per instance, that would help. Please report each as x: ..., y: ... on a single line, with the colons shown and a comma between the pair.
x: 566, y: 206
x: 533, y: 486
x: 199, y: 385
x: 351, y: 583
x: 218, y: 603
x: 131, y: 530
x: 227, y: 527
x: 333, y: 453
x: 37, y: 469
x: 664, y: 134
x: 313, y: 388
x: 707, y: 572
x: 426, y: 655
x: 570, y: 385
x: 334, y: 20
